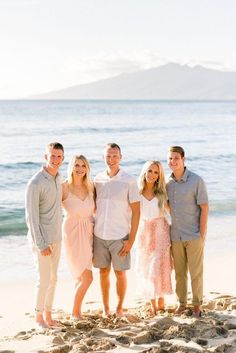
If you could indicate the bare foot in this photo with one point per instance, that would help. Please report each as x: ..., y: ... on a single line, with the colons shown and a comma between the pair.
x: 120, y: 313
x: 196, y: 311
x: 76, y: 317
x: 180, y: 310
x: 161, y: 304
x: 41, y: 324
x: 53, y: 323
x: 106, y: 313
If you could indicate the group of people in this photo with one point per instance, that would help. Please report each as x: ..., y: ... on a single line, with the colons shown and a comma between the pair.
x: 100, y: 223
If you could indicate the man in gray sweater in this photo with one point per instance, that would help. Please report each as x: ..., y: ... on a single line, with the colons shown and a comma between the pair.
x: 44, y: 217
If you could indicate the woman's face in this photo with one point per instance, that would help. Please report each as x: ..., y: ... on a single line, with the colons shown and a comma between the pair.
x: 152, y: 174
x: 79, y: 168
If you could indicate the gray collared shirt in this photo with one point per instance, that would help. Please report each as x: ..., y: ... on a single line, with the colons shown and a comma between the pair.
x: 43, y: 209
x: 185, y: 197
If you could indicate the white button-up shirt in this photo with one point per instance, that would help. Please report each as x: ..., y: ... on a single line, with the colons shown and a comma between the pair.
x: 114, y: 196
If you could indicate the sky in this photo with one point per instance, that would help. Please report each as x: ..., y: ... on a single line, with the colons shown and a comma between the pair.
x: 47, y: 45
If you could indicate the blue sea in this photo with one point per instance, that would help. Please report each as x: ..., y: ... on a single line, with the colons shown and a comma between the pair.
x: 143, y: 129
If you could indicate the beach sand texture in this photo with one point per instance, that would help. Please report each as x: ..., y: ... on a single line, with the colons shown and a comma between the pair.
x: 215, y: 331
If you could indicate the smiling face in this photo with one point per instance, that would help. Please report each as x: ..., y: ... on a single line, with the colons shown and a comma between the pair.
x: 54, y: 158
x: 79, y: 169
x: 176, y: 162
x: 112, y: 158
x: 152, y: 174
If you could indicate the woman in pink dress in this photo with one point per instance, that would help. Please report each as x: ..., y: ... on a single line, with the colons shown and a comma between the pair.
x: 78, y: 204
x: 153, y: 257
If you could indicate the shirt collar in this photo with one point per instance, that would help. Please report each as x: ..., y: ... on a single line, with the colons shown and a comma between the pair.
x: 184, y: 176
x: 117, y: 176
x: 47, y: 175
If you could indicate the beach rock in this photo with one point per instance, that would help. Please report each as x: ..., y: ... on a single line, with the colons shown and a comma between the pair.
x: 171, y: 332
x: 230, y: 326
x: 75, y: 340
x: 94, y: 345
x: 232, y: 305
x: 84, y: 325
x: 58, y: 340
x: 168, y: 347
x: 130, y: 333
x: 219, y: 305
x: 156, y: 349
x: 143, y: 337
x: 97, y: 332
x: 147, y: 337
x: 224, y: 348
x: 210, y: 305
x: 202, y: 341
x: 133, y: 319
x: 123, y: 339
x: 61, y: 349
x: 80, y: 348
x: 164, y: 323
x: 222, y: 331
x: 21, y: 333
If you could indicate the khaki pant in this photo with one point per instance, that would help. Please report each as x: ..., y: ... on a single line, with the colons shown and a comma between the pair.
x: 47, y: 277
x: 188, y: 255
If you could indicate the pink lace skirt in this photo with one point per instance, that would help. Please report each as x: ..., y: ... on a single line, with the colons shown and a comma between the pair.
x: 153, y: 258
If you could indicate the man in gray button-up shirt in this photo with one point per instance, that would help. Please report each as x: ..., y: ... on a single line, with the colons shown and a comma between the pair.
x: 189, y: 212
x: 44, y: 217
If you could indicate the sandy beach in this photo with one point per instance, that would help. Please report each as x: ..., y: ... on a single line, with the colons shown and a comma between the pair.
x: 215, y: 331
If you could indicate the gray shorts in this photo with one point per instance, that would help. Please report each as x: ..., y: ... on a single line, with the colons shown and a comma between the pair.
x: 106, y: 252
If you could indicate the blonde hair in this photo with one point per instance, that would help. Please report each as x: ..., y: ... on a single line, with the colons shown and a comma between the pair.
x: 86, y: 179
x: 159, y: 187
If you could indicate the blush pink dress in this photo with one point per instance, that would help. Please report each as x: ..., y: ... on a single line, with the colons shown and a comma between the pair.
x: 153, y: 258
x: 77, y: 230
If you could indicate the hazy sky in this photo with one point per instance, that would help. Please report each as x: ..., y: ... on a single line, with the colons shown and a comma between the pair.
x: 52, y: 44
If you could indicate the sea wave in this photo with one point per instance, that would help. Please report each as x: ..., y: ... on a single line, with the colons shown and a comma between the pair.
x: 12, y: 221
x: 20, y: 165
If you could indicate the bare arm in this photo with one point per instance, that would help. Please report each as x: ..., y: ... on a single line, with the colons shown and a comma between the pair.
x: 203, y: 219
x: 135, y: 208
x: 65, y: 190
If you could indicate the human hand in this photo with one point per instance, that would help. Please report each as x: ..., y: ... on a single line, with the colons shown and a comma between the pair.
x: 126, y: 248
x: 47, y: 251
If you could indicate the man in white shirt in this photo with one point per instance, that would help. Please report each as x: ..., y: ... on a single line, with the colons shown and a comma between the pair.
x: 116, y: 223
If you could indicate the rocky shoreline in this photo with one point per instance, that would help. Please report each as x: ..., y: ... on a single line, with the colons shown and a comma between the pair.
x: 215, y: 331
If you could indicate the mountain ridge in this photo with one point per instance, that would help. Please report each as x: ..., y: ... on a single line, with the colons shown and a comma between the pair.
x: 167, y: 82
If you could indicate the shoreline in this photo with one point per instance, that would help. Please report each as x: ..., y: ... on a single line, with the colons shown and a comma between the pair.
x: 17, y: 332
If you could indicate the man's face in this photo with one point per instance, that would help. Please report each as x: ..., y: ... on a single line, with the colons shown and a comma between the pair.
x: 112, y: 157
x: 54, y: 158
x: 175, y: 161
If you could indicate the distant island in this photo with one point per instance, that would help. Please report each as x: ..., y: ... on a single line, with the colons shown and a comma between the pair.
x: 167, y: 82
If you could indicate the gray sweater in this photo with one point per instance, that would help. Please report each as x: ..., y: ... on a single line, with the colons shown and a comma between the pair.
x: 43, y: 209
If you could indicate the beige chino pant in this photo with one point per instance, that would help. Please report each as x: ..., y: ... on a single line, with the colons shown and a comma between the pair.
x: 188, y: 255
x: 47, y: 267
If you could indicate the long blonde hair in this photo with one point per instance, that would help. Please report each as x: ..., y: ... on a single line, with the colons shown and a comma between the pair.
x: 86, y: 179
x: 159, y: 187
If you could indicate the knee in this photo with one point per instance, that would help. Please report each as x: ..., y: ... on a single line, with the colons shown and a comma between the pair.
x: 120, y: 274
x: 104, y: 272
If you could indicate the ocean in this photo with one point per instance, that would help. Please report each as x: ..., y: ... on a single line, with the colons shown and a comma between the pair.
x: 143, y: 129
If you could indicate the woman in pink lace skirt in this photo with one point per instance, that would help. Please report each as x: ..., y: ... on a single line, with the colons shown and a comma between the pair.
x: 153, y: 257
x: 78, y: 204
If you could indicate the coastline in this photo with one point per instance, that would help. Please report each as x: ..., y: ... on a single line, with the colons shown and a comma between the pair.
x: 17, y: 324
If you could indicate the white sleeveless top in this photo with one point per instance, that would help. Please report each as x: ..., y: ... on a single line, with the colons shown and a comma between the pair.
x: 149, y: 209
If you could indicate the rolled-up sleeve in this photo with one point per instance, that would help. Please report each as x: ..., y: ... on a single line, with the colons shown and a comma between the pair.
x: 201, y: 197
x: 133, y: 194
